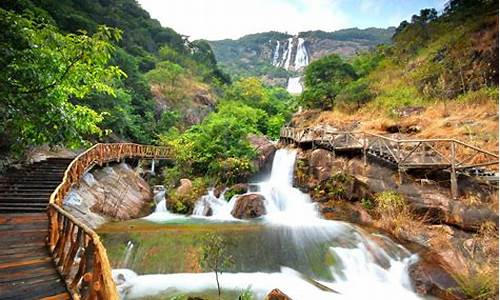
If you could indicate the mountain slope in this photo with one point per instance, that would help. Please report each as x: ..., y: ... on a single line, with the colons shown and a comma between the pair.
x: 277, y: 56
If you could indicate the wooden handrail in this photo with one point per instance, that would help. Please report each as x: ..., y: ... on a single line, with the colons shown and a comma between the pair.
x: 80, y: 257
x: 99, y: 154
x: 427, y: 153
x: 77, y: 251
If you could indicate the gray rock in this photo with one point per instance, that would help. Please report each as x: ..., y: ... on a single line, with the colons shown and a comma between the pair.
x: 249, y: 206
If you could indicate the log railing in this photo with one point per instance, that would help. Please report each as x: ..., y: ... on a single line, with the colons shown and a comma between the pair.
x: 77, y: 251
x: 80, y: 257
x: 448, y: 154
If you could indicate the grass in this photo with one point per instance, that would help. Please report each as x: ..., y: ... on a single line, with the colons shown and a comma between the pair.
x: 478, y: 282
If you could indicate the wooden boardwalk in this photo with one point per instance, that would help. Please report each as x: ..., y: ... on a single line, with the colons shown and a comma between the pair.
x: 45, y: 252
x: 450, y: 155
x: 27, y: 270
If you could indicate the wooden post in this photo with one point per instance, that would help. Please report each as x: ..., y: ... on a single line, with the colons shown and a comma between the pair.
x: 453, y: 174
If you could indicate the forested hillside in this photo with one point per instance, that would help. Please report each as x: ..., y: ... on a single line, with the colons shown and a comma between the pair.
x: 144, y: 51
x: 80, y: 72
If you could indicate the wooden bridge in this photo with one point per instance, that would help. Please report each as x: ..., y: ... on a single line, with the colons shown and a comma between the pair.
x: 45, y: 252
x: 453, y: 156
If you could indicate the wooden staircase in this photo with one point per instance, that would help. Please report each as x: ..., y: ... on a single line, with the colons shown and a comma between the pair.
x: 27, y: 270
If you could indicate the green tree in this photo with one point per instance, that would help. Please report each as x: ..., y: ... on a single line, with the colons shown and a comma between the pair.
x: 215, y: 256
x: 356, y: 92
x: 165, y: 73
x: 324, y: 79
x: 42, y: 70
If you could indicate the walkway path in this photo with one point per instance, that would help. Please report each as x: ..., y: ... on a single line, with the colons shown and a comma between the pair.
x: 26, y: 267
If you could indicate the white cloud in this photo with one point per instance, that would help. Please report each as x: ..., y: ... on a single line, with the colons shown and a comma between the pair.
x: 219, y: 19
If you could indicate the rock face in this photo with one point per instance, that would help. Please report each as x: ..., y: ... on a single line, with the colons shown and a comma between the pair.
x: 320, y: 170
x: 265, y: 150
x: 276, y: 294
x: 185, y: 187
x: 249, y: 206
x: 115, y: 192
x: 321, y: 163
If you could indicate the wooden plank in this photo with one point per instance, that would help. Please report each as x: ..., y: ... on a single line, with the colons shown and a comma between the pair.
x: 23, y: 263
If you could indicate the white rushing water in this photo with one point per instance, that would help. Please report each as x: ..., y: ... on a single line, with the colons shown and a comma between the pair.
x: 301, y: 57
x: 276, y: 55
x: 288, y: 54
x: 362, y: 269
x: 294, y: 86
x: 128, y: 253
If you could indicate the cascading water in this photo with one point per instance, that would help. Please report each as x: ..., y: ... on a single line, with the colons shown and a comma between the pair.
x: 288, y: 54
x: 319, y: 259
x: 127, y: 254
x: 294, y: 86
x: 210, y: 205
x: 301, y: 58
x: 276, y: 55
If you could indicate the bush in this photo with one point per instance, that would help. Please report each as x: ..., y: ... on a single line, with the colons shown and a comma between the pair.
x: 390, y: 203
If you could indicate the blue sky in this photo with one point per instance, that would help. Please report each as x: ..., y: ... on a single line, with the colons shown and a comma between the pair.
x: 219, y: 19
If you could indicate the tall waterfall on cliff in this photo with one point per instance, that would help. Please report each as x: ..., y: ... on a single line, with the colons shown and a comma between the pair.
x: 301, y: 57
x: 276, y: 55
x: 288, y: 54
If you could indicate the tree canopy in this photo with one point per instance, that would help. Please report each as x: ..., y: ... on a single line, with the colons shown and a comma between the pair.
x: 42, y: 71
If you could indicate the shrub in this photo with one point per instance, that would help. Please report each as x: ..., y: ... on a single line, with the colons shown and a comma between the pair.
x: 478, y: 282
x: 390, y: 203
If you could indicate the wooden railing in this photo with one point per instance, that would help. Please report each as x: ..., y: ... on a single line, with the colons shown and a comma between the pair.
x: 448, y: 154
x: 80, y: 257
x: 77, y: 251
x: 99, y: 154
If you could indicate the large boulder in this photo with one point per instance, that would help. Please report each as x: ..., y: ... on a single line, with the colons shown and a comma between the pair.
x: 265, y: 149
x: 249, y: 206
x: 321, y: 163
x: 185, y: 187
x: 114, y: 192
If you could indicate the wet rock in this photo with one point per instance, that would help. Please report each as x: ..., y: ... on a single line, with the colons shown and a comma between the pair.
x: 115, y: 192
x: 185, y: 187
x: 429, y: 278
x: 276, y: 294
x: 321, y: 163
x: 249, y: 206
x: 265, y: 149
x: 345, y: 211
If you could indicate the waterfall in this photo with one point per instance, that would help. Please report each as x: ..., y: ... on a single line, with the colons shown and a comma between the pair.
x: 301, y: 57
x: 159, y: 198
x: 293, y: 222
x: 127, y: 254
x: 276, y: 55
x: 209, y: 205
x: 284, y: 203
x: 294, y: 86
x: 288, y: 54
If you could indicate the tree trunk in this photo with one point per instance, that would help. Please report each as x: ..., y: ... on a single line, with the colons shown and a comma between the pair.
x: 217, y: 280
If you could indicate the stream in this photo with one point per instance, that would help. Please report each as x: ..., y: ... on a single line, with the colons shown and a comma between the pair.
x: 290, y: 248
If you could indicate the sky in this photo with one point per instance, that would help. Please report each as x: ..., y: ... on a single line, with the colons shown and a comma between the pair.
x: 220, y: 19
